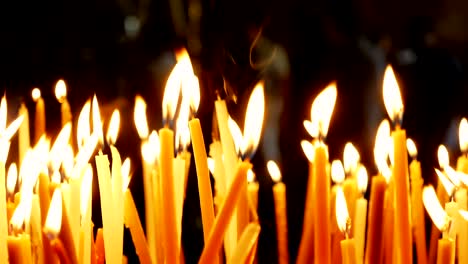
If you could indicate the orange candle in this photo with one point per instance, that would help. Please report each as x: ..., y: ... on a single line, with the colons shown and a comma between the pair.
x: 348, y: 248
x: 445, y: 249
x: 23, y: 133
x: 61, y: 95
x: 19, y: 249
x: 348, y: 251
x: 213, y: 245
x: 246, y: 244
x: 40, y: 118
x: 375, y: 219
x: 3, y: 220
x: 99, y: 245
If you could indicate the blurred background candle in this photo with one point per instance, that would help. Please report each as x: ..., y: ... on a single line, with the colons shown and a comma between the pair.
x: 40, y: 117
x: 360, y: 216
x: 61, y: 95
x: 23, y: 133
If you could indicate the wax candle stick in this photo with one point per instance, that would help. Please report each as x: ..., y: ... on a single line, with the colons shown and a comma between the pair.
x: 435, y: 232
x: 252, y: 189
x: 100, y: 248
x: 40, y: 118
x: 179, y: 178
x: 375, y: 219
x: 118, y: 200
x: 348, y: 248
x: 61, y: 95
x: 36, y: 232
x: 360, y: 216
x: 279, y: 196
x: 445, y: 249
x: 19, y: 249
x: 86, y: 229
x: 23, y: 133
x: 461, y: 199
x: 246, y: 244
x: 3, y: 220
x: 214, y: 242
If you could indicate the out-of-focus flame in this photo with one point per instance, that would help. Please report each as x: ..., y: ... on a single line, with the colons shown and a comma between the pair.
x: 83, y: 156
x: 97, y: 124
x: 412, y: 150
x: 12, y: 177
x: 443, y: 156
x: 151, y: 148
x: 463, y: 214
x: 53, y: 222
x: 463, y: 135
x: 36, y: 94
x: 191, y: 91
x: 139, y: 116
x: 308, y: 150
x: 362, y: 179
x: 274, y: 171
x: 56, y: 154
x: 3, y: 114
x: 236, y: 134
x: 113, y: 129
x: 211, y: 165
x: 172, y: 92
x: 341, y: 210
x: 60, y: 90
x: 381, y: 149
x: 392, y: 96
x: 19, y: 215
x: 250, y: 176
x: 448, y: 185
x: 311, y: 128
x: 83, y: 126
x: 86, y: 189
x: 126, y: 173
x: 439, y: 217
x: 11, y: 130
x: 4, y: 150
x: 68, y: 161
x: 322, y: 109
x: 253, y: 120
x: 337, y: 172
x: 351, y: 158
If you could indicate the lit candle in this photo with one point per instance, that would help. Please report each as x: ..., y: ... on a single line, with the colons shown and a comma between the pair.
x: 36, y: 232
x: 451, y: 207
x: 445, y: 249
x: 338, y: 177
x: 246, y: 244
x: 462, y: 162
x: 19, y: 244
x: 348, y: 248
x: 40, y: 118
x: 351, y: 160
x: 84, y: 130
x: 394, y: 106
x: 3, y: 211
x: 86, y: 228
x: 279, y: 195
x: 11, y: 179
x: 99, y: 245
x: 61, y: 95
x: 360, y: 215
x: 252, y: 190
x: 23, y: 137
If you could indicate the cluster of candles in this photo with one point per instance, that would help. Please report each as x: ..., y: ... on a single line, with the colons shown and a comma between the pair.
x: 41, y: 222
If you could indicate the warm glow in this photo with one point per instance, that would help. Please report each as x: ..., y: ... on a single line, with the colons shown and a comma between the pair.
x: 440, y: 219
x: 236, y: 134
x: 412, y: 150
x: 308, y: 150
x: 68, y: 161
x: 191, y: 91
x: 322, y: 109
x: 4, y: 150
x: 311, y: 128
x: 337, y: 172
x: 211, y: 165
x: 172, y: 92
x: 139, y: 116
x: 84, y: 154
x: 443, y: 156
x: 56, y: 154
x: 53, y: 222
x: 150, y: 149
x: 32, y: 165
x: 448, y: 185
x: 253, y: 121
x: 463, y: 135
x: 113, y: 129
x: 97, y: 124
x: 3, y: 114
x: 60, y: 90
x: 36, y: 94
x: 12, y: 177
x: 12, y: 128
x: 392, y: 96
x: 250, y: 176
x: 362, y: 179
x: 18, y: 217
x: 274, y: 171
x: 381, y: 149
x: 341, y: 211
x: 182, y: 137
x: 125, y: 174
x: 463, y: 214
x: 454, y: 176
x: 351, y: 158
x: 86, y: 189
x: 56, y: 177
x: 84, y: 130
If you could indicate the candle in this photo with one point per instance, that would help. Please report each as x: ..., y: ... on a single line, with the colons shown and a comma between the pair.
x: 348, y: 248
x: 3, y: 220
x: 246, y: 244
x: 338, y: 177
x: 394, y: 106
x: 445, y: 249
x: 351, y: 160
x: 86, y: 228
x: 462, y: 162
x: 252, y: 190
x: 23, y: 137
x: 279, y: 195
x: 61, y: 95
x: 100, y: 248
x: 416, y: 202
x: 40, y: 118
x: 360, y: 215
x: 461, y: 193
x: 36, y: 232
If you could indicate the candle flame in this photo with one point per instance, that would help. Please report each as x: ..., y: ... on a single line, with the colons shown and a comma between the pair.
x: 139, y: 116
x: 341, y: 211
x: 11, y: 130
x: 250, y: 176
x: 381, y: 149
x: 337, y: 172
x: 86, y: 190
x: 12, y: 177
x: 60, y: 90
x: 211, y: 165
x: 182, y: 137
x: 68, y: 161
x: 443, y: 156
x: 392, y: 96
x: 411, y: 146
x: 253, y: 121
x: 351, y: 158
x: 4, y: 150
x: 433, y: 207
x: 308, y: 150
x: 113, y: 129
x: 125, y: 174
x: 463, y: 135
x: 311, y: 128
x: 84, y: 130
x: 56, y: 154
x: 36, y: 94
x: 236, y: 134
x: 32, y: 164
x: 97, y: 124
x: 191, y: 91
x: 274, y: 171
x: 362, y: 179
x: 322, y: 109
x: 151, y: 148
x: 56, y: 177
x: 53, y: 222
x: 448, y: 185
x: 84, y: 154
x: 172, y: 91
x: 463, y: 214
x: 19, y: 216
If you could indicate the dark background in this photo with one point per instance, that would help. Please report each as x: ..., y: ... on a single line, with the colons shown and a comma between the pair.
x: 303, y: 45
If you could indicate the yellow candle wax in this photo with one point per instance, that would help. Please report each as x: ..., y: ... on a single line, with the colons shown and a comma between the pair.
x: 66, y: 235
x: 179, y: 192
x: 348, y: 251
x: 40, y: 118
x: 435, y: 232
x: 418, y: 211
x: 389, y: 226
x: 461, y: 198
x: 350, y: 190
x: 118, y: 201
x: 86, y: 227
x: 132, y: 221
x: 246, y: 244
x: 3, y: 219
x: 36, y: 232
x: 305, y: 253
x: 322, y: 239
x: 60, y: 251
x: 445, y: 249
x: 23, y: 133
x: 462, y: 164
x: 279, y: 195
x: 375, y: 219
x: 61, y: 95
x: 213, y: 245
x: 44, y: 194
x: 99, y: 245
x: 403, y: 232
x: 242, y: 210
x: 360, y: 228
x: 166, y: 138
x: 19, y: 249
